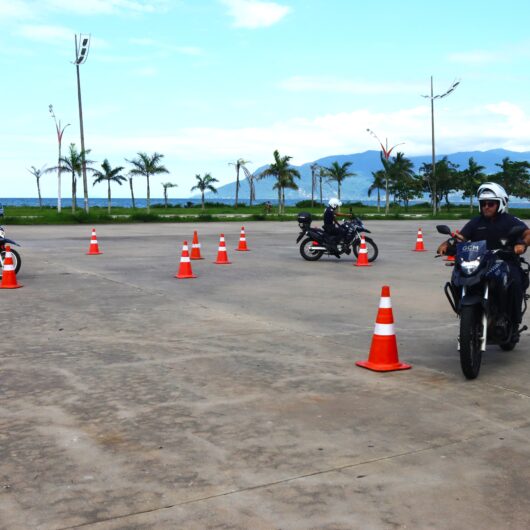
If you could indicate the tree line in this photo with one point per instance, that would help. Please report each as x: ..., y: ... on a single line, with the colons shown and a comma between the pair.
x: 396, y: 180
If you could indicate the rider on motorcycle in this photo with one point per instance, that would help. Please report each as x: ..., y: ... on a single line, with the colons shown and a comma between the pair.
x: 332, y: 226
x: 492, y: 225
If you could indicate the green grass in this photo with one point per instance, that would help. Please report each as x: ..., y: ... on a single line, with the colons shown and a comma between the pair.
x: 220, y: 212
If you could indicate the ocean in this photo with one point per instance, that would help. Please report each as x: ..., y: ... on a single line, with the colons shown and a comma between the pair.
x: 141, y: 203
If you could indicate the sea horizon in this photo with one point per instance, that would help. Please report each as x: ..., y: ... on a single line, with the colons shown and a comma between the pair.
x: 183, y: 202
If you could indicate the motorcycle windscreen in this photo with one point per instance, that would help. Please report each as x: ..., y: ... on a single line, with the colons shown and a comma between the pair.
x: 471, y: 250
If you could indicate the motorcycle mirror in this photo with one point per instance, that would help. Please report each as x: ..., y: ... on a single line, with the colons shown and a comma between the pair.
x: 443, y: 229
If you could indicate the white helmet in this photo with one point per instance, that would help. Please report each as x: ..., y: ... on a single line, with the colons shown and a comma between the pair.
x: 493, y: 191
x: 334, y: 203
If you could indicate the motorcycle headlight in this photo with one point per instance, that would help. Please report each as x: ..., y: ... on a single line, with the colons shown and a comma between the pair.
x: 469, y: 267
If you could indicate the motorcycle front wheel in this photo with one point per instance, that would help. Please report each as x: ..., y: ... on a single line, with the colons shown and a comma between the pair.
x: 306, y: 252
x: 470, y: 334
x: 17, y: 261
x: 371, y: 247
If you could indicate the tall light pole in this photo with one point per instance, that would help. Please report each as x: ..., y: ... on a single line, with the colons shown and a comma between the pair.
x: 60, y: 131
x: 81, y: 54
x: 432, y: 97
x: 386, y: 154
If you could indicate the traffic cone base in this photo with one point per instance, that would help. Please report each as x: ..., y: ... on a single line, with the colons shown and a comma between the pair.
x: 383, y: 355
x: 94, y: 247
x: 362, y: 254
x: 185, y: 264
x: 195, y: 247
x: 242, y: 242
x: 9, y: 277
x: 222, y: 255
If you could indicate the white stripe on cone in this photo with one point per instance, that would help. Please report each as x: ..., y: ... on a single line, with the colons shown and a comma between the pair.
x: 384, y: 329
x: 185, y: 259
x: 385, y: 302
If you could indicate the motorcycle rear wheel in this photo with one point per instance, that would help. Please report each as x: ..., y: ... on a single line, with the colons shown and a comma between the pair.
x: 371, y: 247
x: 307, y: 253
x: 470, y: 333
x: 17, y: 261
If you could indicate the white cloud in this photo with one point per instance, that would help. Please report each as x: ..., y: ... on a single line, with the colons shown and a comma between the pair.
x: 255, y: 13
x: 331, y: 85
x: 14, y: 9
x: 151, y: 43
x: 106, y: 7
x: 477, y: 57
x: 41, y: 33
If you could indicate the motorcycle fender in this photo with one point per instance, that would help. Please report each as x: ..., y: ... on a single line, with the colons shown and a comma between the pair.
x: 10, y: 242
x: 471, y: 299
x: 300, y: 236
x: 365, y: 230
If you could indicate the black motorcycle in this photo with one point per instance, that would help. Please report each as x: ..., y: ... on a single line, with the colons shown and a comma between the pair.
x: 17, y: 261
x: 315, y: 242
x: 480, y: 293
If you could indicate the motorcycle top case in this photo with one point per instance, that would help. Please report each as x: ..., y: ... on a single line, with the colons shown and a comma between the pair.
x: 304, y: 218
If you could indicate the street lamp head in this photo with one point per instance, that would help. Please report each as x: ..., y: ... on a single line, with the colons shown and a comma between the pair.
x: 81, y: 51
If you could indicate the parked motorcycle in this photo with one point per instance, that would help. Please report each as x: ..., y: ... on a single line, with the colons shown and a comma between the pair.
x: 480, y: 293
x: 17, y: 261
x: 315, y: 242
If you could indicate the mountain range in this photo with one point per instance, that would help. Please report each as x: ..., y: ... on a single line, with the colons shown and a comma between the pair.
x: 363, y: 164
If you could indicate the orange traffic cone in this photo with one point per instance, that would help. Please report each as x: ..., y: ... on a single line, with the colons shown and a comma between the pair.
x: 362, y: 256
x: 9, y: 277
x: 222, y: 255
x: 383, y: 351
x: 195, y: 247
x: 242, y: 241
x: 185, y: 264
x: 94, y: 247
x: 419, y: 242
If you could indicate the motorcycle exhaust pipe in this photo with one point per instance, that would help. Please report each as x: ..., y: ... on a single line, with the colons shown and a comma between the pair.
x: 318, y: 248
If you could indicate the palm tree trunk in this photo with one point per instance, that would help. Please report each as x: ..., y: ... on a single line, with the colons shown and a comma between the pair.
x: 338, y: 189
x: 148, y: 195
x: 165, y: 197
x: 321, y: 202
x: 202, y: 200
x: 38, y: 191
x: 132, y: 192
x: 237, y: 186
x: 378, y: 200
x: 471, y: 203
x: 279, y: 198
x: 74, y: 194
x: 387, y: 201
x: 109, y: 198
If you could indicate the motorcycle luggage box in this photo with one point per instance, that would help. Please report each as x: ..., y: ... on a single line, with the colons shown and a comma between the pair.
x: 304, y: 218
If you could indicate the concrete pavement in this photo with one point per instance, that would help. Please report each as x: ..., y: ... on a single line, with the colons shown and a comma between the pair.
x: 133, y: 400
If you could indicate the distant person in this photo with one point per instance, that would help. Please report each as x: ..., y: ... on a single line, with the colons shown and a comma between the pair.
x: 331, y: 225
x: 1, y: 210
x: 268, y: 207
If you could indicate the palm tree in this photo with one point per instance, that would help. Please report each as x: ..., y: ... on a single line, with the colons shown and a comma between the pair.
x: 284, y: 175
x: 73, y: 164
x: 132, y: 190
x: 146, y: 166
x: 378, y: 184
x: 238, y: 164
x: 251, y: 187
x: 338, y: 173
x: 167, y: 185
x: 205, y: 184
x: 397, y: 170
x: 110, y: 175
x: 38, y: 173
x: 313, y: 167
x: 470, y: 179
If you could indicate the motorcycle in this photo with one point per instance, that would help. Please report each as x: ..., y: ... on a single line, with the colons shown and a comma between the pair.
x: 317, y: 242
x: 17, y: 261
x: 480, y: 293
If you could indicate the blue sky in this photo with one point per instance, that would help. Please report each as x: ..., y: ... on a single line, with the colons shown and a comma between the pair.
x: 206, y: 82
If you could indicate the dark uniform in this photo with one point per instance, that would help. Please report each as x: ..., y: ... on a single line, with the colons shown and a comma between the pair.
x: 330, y: 226
x: 492, y: 230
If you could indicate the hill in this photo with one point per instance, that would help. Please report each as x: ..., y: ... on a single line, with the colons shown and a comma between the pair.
x: 363, y: 164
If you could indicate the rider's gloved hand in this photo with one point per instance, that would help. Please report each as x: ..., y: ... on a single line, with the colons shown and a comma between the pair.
x: 442, y: 249
x: 519, y: 248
